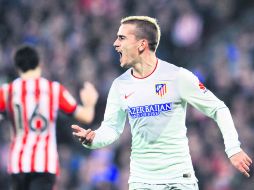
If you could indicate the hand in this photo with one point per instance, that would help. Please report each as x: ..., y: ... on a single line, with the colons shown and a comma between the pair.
x: 84, y: 136
x: 242, y: 162
x: 89, y: 94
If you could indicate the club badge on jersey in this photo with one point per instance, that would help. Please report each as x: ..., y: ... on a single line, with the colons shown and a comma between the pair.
x: 161, y: 89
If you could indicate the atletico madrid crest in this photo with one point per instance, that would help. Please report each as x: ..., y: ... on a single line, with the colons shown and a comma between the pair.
x: 161, y: 89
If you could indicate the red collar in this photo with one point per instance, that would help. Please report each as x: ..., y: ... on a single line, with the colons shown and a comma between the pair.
x: 147, y: 75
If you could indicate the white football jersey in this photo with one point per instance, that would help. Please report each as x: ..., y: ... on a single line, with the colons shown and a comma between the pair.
x: 156, y: 110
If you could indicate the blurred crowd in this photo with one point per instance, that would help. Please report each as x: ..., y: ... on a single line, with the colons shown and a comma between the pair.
x: 213, y: 39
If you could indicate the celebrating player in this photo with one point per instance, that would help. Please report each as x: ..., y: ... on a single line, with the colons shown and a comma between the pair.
x: 154, y: 95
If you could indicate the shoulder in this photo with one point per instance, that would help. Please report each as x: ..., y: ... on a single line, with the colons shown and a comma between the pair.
x: 4, y: 87
x: 185, y: 74
x: 167, y: 70
x: 125, y: 76
x: 42, y: 79
x: 7, y: 85
x: 51, y: 83
x: 121, y: 81
x: 186, y: 79
x: 173, y: 69
x: 168, y: 66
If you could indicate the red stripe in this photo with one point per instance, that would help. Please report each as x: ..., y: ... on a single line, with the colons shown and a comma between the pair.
x: 2, y: 100
x: 57, y: 167
x: 34, y: 153
x: 25, y: 123
x: 50, y: 123
x: 34, y: 150
x: 23, y: 100
x: 10, y: 108
x: 50, y: 101
x: 46, y: 154
x: 37, y: 90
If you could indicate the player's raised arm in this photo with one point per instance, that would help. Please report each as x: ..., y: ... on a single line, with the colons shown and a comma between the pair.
x: 89, y: 96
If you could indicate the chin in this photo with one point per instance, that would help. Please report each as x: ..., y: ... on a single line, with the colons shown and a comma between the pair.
x: 126, y: 66
x: 122, y: 64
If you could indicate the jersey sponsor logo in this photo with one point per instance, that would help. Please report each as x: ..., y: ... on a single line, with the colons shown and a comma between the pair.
x: 161, y: 89
x: 202, y: 87
x: 149, y: 110
x: 128, y: 95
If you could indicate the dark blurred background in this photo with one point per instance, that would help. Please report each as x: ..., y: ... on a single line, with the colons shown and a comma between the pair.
x: 212, y: 38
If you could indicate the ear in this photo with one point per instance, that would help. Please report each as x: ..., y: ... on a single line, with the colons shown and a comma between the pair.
x: 143, y: 45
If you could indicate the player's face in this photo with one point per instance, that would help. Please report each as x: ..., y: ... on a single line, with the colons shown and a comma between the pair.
x: 127, y: 45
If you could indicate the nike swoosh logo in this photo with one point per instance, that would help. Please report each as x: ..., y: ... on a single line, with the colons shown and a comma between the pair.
x: 128, y: 95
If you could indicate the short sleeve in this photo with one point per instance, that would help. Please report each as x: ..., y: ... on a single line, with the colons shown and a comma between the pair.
x: 67, y: 103
x: 2, y: 101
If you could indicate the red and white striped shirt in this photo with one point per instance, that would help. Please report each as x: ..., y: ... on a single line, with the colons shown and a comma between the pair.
x: 32, y: 106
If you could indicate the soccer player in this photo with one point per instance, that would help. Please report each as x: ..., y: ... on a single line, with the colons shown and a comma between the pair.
x: 154, y: 95
x: 32, y: 102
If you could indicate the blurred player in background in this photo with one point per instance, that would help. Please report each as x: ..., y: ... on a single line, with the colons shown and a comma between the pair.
x: 154, y: 95
x: 32, y: 102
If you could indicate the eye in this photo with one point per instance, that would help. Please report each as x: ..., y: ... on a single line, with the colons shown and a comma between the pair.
x: 121, y: 37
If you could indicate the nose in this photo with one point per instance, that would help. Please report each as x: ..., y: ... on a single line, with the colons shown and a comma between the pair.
x: 116, y: 43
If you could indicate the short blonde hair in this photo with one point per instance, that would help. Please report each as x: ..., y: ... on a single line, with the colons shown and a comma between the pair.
x: 148, y: 28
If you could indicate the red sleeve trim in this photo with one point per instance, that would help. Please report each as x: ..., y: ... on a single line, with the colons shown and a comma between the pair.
x: 2, y: 101
x: 67, y: 103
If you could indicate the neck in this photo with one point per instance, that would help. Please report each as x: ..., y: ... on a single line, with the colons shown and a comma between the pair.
x: 145, y: 66
x: 31, y: 74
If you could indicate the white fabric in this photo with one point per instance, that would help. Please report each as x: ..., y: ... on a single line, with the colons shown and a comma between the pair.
x: 160, y: 152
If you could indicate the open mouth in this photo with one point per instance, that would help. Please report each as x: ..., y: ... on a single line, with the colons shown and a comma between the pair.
x: 120, y: 54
